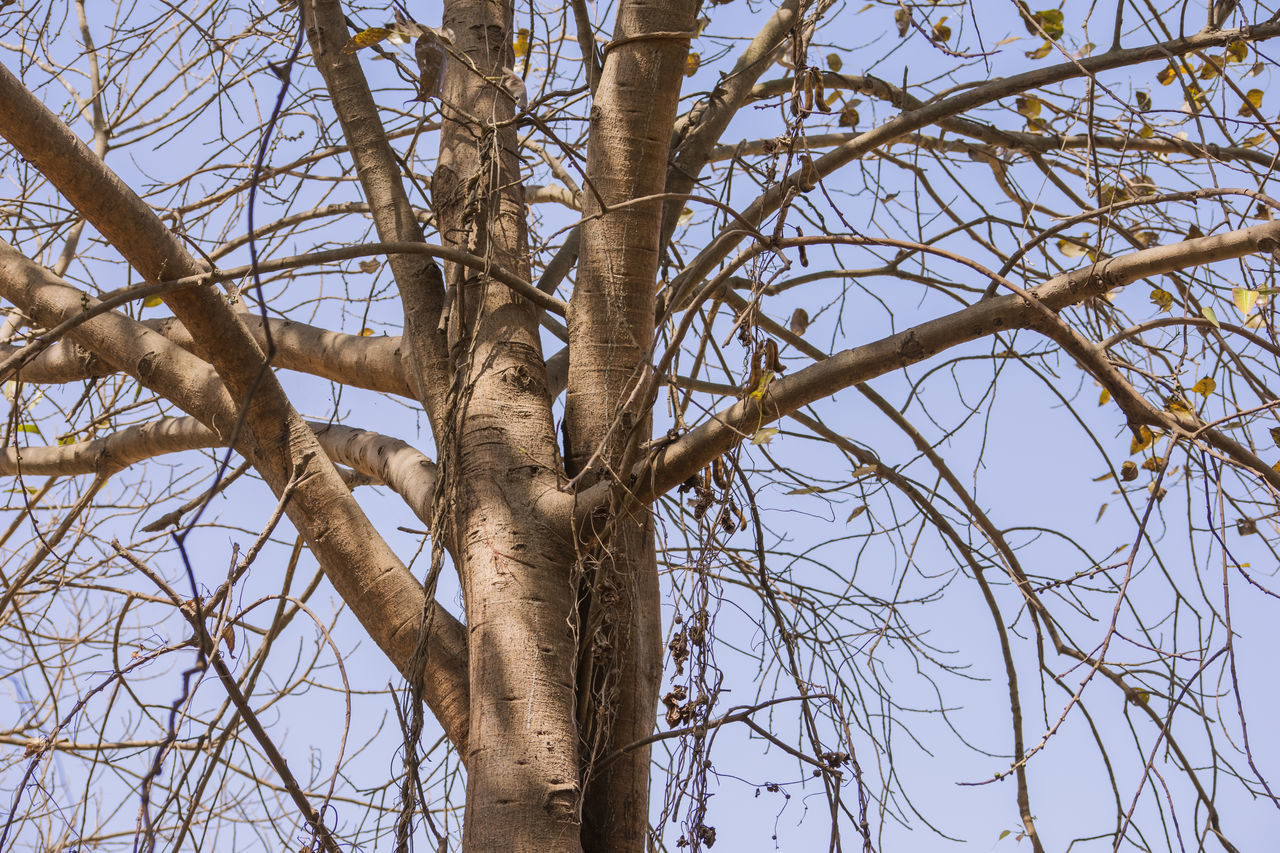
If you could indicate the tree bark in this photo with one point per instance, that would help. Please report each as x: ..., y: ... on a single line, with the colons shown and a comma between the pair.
x: 611, y: 326
x: 499, y: 456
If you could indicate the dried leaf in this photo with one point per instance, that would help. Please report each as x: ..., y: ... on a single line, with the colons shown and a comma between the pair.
x: 1253, y: 102
x: 1128, y: 471
x: 857, y: 511
x: 1162, y: 298
x: 1040, y: 52
x: 834, y: 62
x: 1205, y: 386
x: 902, y: 18
x: 366, y: 38
x: 941, y: 32
x: 1048, y: 21
x: 799, y: 321
x: 370, y: 265
x: 849, y: 116
x: 432, y: 56
x: 1141, y: 440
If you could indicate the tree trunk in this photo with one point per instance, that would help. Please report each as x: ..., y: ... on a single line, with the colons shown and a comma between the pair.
x: 499, y: 457
x: 611, y: 322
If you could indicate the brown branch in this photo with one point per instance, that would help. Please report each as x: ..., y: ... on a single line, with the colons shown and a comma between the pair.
x: 680, y: 460
x: 937, y: 112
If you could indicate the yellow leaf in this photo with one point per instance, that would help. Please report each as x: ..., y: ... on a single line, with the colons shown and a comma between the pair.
x: 1276, y: 467
x: 834, y: 62
x: 1029, y: 107
x: 764, y: 436
x: 521, y: 46
x: 1210, y: 316
x: 1237, y: 51
x: 1146, y: 132
x: 765, y: 378
x: 849, y: 116
x: 152, y: 302
x: 1254, y: 141
x: 1049, y: 20
x: 366, y: 38
x: 1072, y: 248
x: 941, y: 32
x: 1244, y: 299
x: 1104, y: 397
x: 1004, y: 41
x: 1154, y: 464
x: 1205, y: 385
x: 1253, y: 101
x: 1178, y: 405
x: 1141, y: 441
x: 902, y: 17
x: 1144, y: 696
x: 1143, y: 99
x: 66, y: 439
x: 691, y: 63
x: 685, y: 215
x: 1162, y: 298
x: 1166, y: 75
x: 366, y: 332
x: 1209, y: 70
x: 1040, y: 52
x: 1128, y: 471
x: 1275, y: 435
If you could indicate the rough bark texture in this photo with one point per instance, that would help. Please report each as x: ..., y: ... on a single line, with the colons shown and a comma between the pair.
x: 611, y: 318
x: 523, y: 787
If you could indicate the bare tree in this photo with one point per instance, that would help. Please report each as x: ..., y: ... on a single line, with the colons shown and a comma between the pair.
x: 566, y: 296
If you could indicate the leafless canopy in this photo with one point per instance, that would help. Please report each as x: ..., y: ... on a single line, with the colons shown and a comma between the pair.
x: 638, y: 425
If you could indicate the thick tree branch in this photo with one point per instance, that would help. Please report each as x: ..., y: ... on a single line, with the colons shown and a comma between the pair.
x: 419, y: 279
x: 365, y: 571
x: 384, y: 459
x: 678, y: 461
